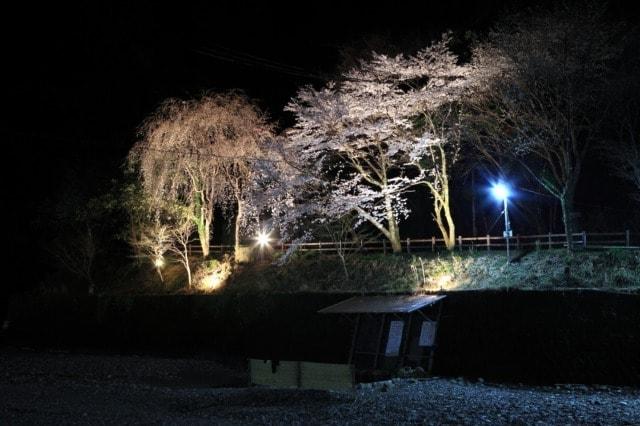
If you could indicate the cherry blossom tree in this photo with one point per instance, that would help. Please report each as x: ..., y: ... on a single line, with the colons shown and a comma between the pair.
x: 242, y: 147
x: 362, y: 143
x: 198, y: 153
x: 443, y: 130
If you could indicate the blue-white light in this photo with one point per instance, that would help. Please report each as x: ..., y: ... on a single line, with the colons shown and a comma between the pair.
x: 500, y: 191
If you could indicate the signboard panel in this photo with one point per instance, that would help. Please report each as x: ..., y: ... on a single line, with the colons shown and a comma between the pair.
x: 427, y: 333
x: 395, y: 338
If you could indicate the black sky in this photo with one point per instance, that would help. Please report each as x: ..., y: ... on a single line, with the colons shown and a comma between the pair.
x: 83, y: 77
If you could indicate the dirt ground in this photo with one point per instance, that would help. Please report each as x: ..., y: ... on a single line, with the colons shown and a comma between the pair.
x: 64, y: 388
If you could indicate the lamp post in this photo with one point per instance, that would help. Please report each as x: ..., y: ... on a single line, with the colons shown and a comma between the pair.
x: 501, y: 192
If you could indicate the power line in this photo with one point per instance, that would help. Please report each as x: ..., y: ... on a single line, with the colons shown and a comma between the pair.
x: 261, y: 59
x: 495, y: 221
x: 249, y: 60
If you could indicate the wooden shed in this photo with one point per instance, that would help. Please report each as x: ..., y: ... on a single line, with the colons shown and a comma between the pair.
x: 391, y: 331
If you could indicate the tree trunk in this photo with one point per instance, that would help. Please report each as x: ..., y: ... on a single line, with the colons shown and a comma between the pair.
x: 203, y: 236
x: 450, y: 228
x: 239, y: 217
x: 343, y: 260
x: 441, y: 205
x: 394, y: 231
x: 394, y: 238
x: 447, y: 230
x: 203, y: 224
x: 566, y: 204
x: 188, y: 268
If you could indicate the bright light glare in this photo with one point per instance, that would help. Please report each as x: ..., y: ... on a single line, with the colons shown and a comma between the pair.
x: 158, y: 262
x: 211, y: 282
x: 263, y: 239
x: 444, y: 281
x: 500, y: 191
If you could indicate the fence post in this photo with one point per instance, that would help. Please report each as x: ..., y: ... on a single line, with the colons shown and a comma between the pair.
x: 384, y: 246
x: 627, y: 237
x: 460, y: 242
x: 433, y: 244
x: 584, y: 239
x: 488, y: 242
x: 549, y: 239
x: 408, y: 245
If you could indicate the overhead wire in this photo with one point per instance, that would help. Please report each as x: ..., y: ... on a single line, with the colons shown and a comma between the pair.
x: 250, y: 60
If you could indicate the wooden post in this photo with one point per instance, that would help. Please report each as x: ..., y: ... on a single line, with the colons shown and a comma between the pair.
x: 379, y: 342
x: 433, y: 244
x: 488, y: 242
x: 384, y: 246
x: 584, y: 239
x: 460, y: 242
x: 431, y: 351
x: 405, y: 340
x: 549, y: 239
x: 408, y: 245
x: 627, y: 237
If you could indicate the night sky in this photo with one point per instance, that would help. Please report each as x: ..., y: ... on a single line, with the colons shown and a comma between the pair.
x: 82, y: 78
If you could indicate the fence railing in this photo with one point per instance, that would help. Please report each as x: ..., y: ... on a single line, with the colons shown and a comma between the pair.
x: 488, y: 242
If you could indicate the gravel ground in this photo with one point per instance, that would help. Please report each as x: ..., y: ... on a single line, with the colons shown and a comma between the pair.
x: 55, y: 388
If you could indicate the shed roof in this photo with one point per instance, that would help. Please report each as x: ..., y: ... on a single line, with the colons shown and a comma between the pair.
x: 381, y: 304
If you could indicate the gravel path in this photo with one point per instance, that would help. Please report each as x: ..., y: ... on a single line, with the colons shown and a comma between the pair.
x: 54, y: 388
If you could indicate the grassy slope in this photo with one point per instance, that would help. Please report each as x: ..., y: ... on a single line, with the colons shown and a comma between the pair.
x: 548, y: 269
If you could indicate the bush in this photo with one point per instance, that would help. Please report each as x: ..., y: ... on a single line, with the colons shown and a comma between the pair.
x: 212, y: 274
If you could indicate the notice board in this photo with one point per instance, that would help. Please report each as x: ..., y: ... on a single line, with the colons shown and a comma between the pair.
x: 395, y: 338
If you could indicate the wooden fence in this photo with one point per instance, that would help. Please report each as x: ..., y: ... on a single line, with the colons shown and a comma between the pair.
x: 542, y: 241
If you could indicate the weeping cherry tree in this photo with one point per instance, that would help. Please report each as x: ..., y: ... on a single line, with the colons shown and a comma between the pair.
x: 197, y: 153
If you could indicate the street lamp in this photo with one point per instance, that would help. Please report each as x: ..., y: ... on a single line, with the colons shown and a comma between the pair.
x: 501, y: 192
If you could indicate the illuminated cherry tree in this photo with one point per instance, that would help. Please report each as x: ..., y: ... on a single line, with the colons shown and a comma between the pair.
x: 199, y: 153
x: 243, y: 147
x: 362, y: 143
